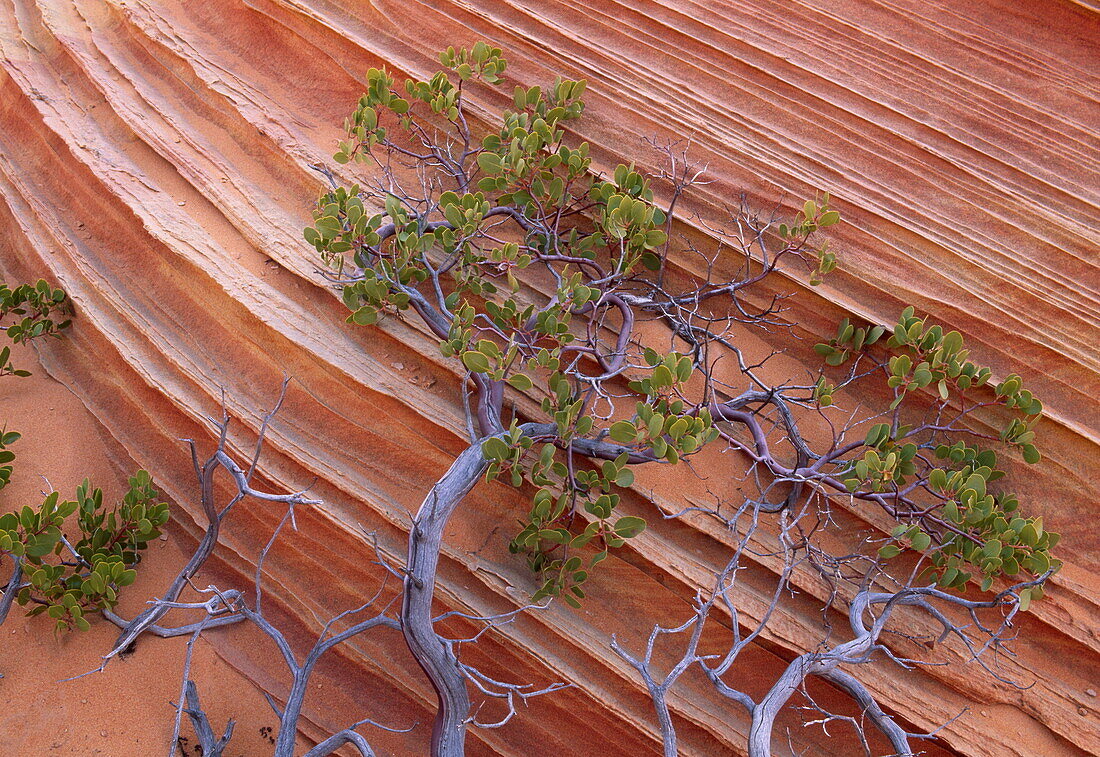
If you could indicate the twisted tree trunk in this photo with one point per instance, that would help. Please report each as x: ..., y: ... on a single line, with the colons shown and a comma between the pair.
x: 435, y: 657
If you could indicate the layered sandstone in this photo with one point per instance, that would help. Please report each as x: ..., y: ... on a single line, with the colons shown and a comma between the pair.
x: 154, y: 160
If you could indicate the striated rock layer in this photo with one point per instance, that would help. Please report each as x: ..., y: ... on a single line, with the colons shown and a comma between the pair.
x: 154, y: 161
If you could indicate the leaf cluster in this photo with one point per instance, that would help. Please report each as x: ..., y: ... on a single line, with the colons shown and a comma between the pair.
x: 87, y: 577
x: 814, y: 216
x: 966, y: 529
x: 36, y: 305
x: 549, y: 535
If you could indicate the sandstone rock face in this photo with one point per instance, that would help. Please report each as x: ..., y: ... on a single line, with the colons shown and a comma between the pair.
x: 154, y: 160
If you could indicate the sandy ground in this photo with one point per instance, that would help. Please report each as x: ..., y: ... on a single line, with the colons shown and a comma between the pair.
x: 128, y: 709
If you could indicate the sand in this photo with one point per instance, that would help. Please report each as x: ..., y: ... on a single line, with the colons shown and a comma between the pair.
x: 128, y: 709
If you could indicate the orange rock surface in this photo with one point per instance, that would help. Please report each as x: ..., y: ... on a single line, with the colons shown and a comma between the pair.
x: 154, y: 161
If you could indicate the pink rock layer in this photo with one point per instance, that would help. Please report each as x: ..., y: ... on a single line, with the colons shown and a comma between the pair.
x: 154, y: 161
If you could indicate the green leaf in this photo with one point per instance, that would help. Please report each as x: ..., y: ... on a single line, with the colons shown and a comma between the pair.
x: 623, y: 432
x: 655, y: 238
x: 1039, y: 563
x: 365, y: 316
x: 1031, y: 454
x: 937, y: 479
x: 949, y: 577
x: 878, y: 433
x: 489, y: 162
x: 629, y: 526
x: 992, y: 548
x: 494, y: 448
x: 662, y: 376
x: 520, y: 381
x: 1029, y: 535
x: 921, y: 541
x: 475, y: 361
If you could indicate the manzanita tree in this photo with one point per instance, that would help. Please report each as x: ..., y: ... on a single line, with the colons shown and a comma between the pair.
x: 533, y: 271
